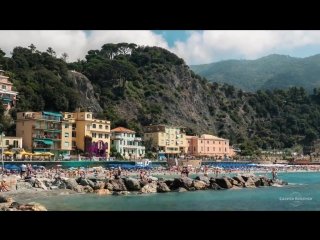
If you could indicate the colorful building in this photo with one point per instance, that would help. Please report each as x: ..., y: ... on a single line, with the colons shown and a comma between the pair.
x: 44, y: 132
x: 126, y: 143
x: 15, y: 142
x: 167, y: 141
x: 7, y: 96
x: 84, y: 124
x: 209, y: 145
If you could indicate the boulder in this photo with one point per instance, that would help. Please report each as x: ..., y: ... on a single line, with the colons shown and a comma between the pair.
x: 265, y: 181
x: 239, y: 179
x: 23, y: 186
x: 12, y: 184
x: 86, y: 182
x: 47, y: 182
x: 40, y: 184
x: 108, y: 186
x: 31, y: 181
x: 88, y: 189
x: 98, y: 185
x: 203, y: 178
x: 180, y: 189
x: 250, y: 183
x: 162, y: 187
x: 79, y: 189
x: 199, y: 185
x: 3, y: 199
x: 32, y: 207
x: 71, y: 183
x: 102, y: 191
x: 118, y: 185
x: 62, y: 186
x: 143, y: 183
x: 149, y: 188
x: 183, y: 182
x: 215, y: 186
x: 152, y: 178
x: 224, y: 182
x: 246, y: 176
x: 132, y: 184
x: 192, y: 189
x: 169, y: 182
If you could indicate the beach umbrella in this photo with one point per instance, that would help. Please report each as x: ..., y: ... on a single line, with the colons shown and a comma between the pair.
x: 49, y: 154
x: 59, y: 165
x: 8, y: 153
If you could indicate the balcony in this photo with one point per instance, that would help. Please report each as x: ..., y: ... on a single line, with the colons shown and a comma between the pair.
x: 137, y: 139
x: 177, y: 136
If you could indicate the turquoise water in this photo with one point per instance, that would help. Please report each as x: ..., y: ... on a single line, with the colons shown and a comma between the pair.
x: 302, y: 193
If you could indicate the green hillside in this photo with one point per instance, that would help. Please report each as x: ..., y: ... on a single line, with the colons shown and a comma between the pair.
x: 266, y: 73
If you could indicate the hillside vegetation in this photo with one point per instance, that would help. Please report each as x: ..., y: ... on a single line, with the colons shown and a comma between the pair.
x: 137, y: 86
x: 266, y: 73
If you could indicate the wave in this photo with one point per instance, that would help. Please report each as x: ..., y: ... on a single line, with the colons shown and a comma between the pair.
x: 299, y: 184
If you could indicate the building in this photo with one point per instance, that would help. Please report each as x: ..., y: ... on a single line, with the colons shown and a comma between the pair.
x: 44, y: 132
x: 84, y: 124
x: 167, y: 141
x: 7, y: 96
x: 209, y: 145
x: 14, y: 142
x: 126, y: 143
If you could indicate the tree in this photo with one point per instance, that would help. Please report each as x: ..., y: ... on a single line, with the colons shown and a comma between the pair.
x: 148, y: 144
x: 65, y: 57
x: 51, y: 52
x: 2, y: 53
x: 32, y: 47
x: 109, y: 50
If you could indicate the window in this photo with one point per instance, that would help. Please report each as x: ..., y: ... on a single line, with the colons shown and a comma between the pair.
x: 181, y: 142
x: 194, y: 148
x: 162, y: 141
x: 66, y: 125
x: 15, y: 143
x: 171, y: 141
x: 181, y: 136
x: 208, y: 142
x: 7, y: 142
x: 88, y: 116
x: 213, y: 142
x: 208, y: 149
x: 22, y: 132
x: 22, y: 123
x: 172, y: 135
x: 201, y: 141
x: 74, y: 134
x: 100, y: 135
x: 146, y: 135
x: 162, y: 134
x: 66, y: 144
x: 106, y: 136
x: 112, y: 142
x: 219, y: 149
x: 106, y: 127
x: 188, y: 149
x: 69, y: 116
x: 214, y: 149
x: 188, y: 141
x: 201, y: 148
x: 88, y: 127
x: 94, y: 135
x: 225, y: 142
x: 100, y: 126
x: 73, y: 143
x: 3, y: 86
x: 219, y: 142
x: 93, y: 125
x: 66, y: 134
x: 225, y: 149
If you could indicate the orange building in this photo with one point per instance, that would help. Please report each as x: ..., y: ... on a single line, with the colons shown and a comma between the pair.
x: 7, y: 96
x: 209, y: 145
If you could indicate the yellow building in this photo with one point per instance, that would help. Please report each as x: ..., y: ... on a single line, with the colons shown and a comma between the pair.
x: 167, y: 141
x: 44, y: 132
x: 83, y: 124
x: 15, y: 142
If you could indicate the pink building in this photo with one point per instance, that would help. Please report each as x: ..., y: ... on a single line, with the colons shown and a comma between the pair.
x: 7, y: 96
x: 209, y: 145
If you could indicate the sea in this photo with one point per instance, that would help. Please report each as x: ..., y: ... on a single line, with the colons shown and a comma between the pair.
x: 301, y: 194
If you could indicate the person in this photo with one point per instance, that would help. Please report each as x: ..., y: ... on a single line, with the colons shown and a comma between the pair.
x: 183, y: 172
x: 23, y: 170
x: 3, y: 186
x: 187, y: 172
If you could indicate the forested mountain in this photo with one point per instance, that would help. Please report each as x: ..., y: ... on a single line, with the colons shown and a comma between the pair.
x: 266, y: 73
x: 134, y: 86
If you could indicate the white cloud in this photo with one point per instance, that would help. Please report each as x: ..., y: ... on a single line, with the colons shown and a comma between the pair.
x: 200, y: 47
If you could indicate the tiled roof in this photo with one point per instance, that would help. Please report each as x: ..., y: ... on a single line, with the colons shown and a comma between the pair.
x: 122, y: 130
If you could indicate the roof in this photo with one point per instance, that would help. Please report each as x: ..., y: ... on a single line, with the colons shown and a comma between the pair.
x: 122, y: 130
x: 207, y: 136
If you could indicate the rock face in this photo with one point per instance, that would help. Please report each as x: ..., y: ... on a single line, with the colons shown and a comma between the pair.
x: 149, y: 188
x: 224, y: 182
x: 132, y: 184
x: 118, y: 185
x: 199, y: 185
x: 162, y: 187
x: 87, y: 97
x: 71, y: 183
x: 183, y: 182
x: 24, y: 186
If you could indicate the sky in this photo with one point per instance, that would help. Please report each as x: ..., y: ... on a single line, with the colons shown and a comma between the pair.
x: 194, y: 46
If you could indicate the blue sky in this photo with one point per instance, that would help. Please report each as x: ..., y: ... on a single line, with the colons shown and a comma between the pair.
x: 194, y: 46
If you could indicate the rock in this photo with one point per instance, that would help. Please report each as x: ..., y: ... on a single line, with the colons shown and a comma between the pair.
x: 62, y: 186
x: 23, y: 186
x: 47, y: 182
x: 203, y: 179
x: 3, y: 199
x: 88, y: 189
x: 109, y: 186
x: 192, y: 189
x: 121, y: 193
x: 15, y: 205
x: 199, y: 185
x: 250, y: 183
x: 224, y: 182
x: 32, y: 207
x: 215, y: 186
x: 265, y: 182
x: 71, y: 183
x: 64, y: 193
x: 161, y: 179
x: 79, y: 189
x: 183, y: 182
x: 102, y: 191
x: 132, y: 184
x: 99, y: 185
x: 162, y: 187
x: 153, y: 178
x: 180, y: 189
x: 12, y: 184
x: 149, y: 188
x: 143, y: 183
x: 118, y: 185
x: 39, y: 184
x: 31, y: 181
x: 53, y: 187
x: 87, y: 182
x: 239, y: 179
x: 246, y: 176
x: 169, y: 182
